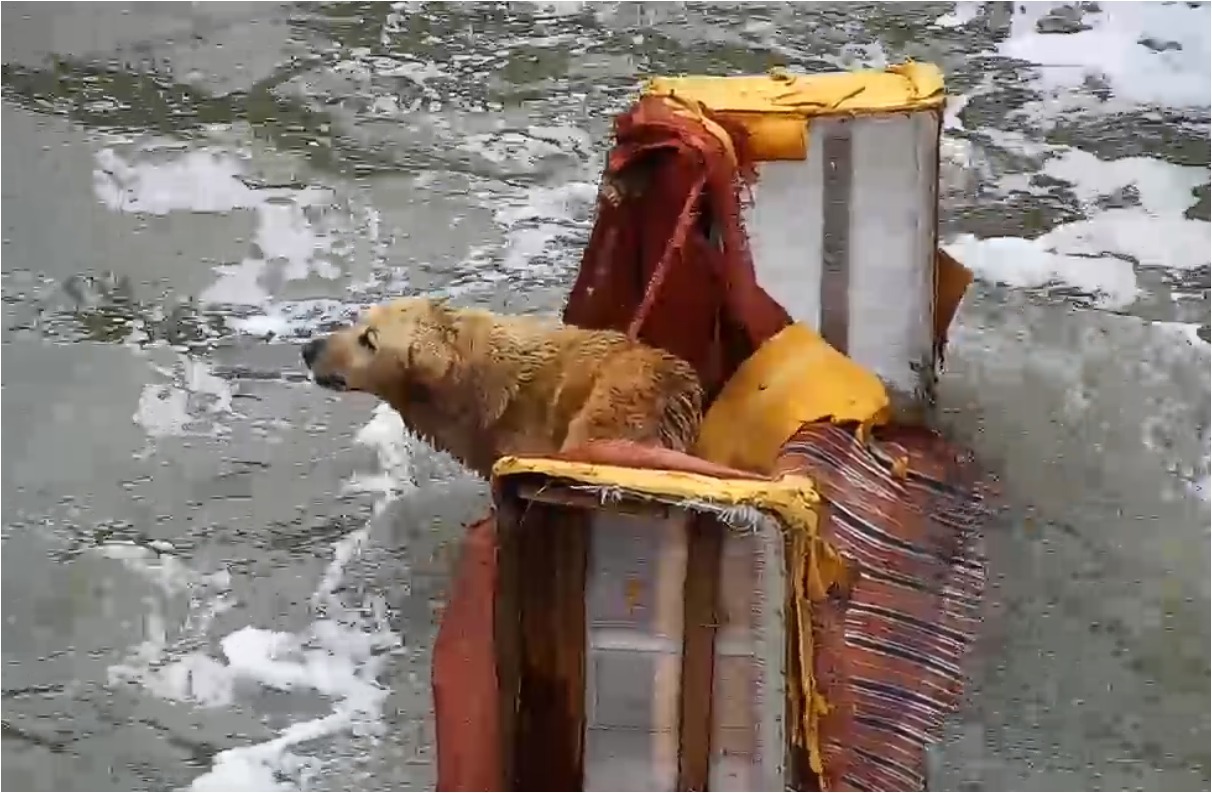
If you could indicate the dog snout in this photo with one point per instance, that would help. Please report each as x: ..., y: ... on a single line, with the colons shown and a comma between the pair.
x: 311, y: 351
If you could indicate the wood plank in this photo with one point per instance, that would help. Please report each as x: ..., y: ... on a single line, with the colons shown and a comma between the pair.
x: 706, y: 540
x: 835, y: 233
x: 551, y: 543
x: 507, y: 628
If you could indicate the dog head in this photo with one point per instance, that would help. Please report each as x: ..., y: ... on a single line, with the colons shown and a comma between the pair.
x: 396, y: 349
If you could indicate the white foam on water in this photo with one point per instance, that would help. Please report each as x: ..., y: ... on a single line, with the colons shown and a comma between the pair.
x: 196, y: 180
x: 191, y: 403
x: 393, y: 444
x: 563, y: 7
x: 1121, y: 48
x: 955, y: 105
x: 420, y: 72
x: 163, y: 410
x: 962, y: 14
x: 238, y: 284
x: 523, y: 151
x: 1176, y: 243
x: 1164, y: 188
x: 293, y: 235
x: 298, y: 318
x: 340, y: 656
x: 292, y: 317
x: 960, y: 169
x: 1021, y: 263
x: 169, y: 574
x: 194, y: 677
x: 1098, y: 255
x: 1156, y: 234
x: 540, y: 219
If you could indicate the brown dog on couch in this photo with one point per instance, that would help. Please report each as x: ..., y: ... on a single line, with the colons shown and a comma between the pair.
x: 480, y: 385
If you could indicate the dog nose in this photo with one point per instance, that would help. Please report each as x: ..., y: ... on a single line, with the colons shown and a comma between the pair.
x: 311, y: 350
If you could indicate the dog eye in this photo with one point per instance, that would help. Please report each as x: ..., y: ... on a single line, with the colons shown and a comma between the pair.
x: 367, y: 339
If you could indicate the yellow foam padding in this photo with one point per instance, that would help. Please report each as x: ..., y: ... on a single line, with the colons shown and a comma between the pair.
x: 775, y: 107
x: 793, y: 379
x: 792, y: 500
x: 951, y: 283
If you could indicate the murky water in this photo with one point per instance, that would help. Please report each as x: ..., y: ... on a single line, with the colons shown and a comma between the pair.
x: 217, y: 575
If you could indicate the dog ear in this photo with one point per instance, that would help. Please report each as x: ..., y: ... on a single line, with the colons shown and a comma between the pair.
x: 428, y: 359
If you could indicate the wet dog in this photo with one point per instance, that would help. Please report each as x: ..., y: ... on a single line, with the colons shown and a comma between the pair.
x: 480, y: 385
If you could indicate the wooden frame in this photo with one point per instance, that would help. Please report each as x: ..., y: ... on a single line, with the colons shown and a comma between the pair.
x: 555, y: 645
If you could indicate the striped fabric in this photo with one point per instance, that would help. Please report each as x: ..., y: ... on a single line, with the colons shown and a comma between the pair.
x: 905, y: 510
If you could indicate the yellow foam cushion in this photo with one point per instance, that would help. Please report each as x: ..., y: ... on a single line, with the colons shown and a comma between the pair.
x: 795, y: 378
x: 775, y: 107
